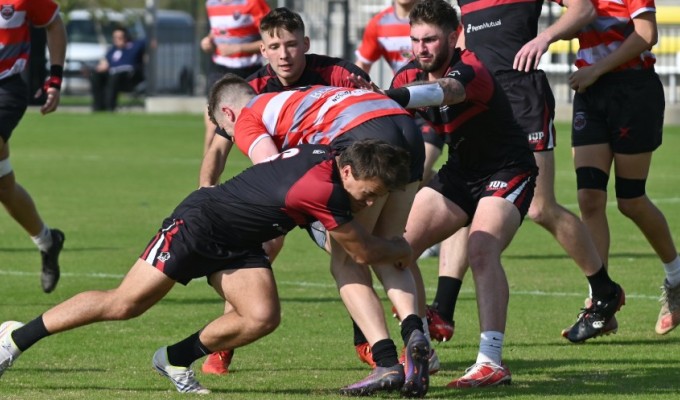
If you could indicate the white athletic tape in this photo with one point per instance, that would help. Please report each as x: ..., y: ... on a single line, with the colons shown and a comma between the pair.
x: 430, y: 94
x: 5, y: 167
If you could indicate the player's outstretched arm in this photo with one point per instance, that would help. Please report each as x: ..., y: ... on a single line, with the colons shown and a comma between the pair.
x: 214, y: 161
x: 443, y: 91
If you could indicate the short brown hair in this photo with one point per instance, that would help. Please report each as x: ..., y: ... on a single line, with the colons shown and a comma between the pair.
x: 226, y: 90
x: 282, y: 18
x: 375, y: 158
x: 435, y: 12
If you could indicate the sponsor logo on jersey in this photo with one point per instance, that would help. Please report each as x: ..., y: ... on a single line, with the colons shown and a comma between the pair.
x: 482, y: 26
x: 496, y: 185
x: 7, y: 11
x: 535, y: 137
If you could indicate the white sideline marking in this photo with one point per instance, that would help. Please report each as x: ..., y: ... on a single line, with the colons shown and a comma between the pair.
x: 329, y: 286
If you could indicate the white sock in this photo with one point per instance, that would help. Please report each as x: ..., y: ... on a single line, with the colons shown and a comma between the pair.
x: 673, y: 272
x: 490, y: 347
x: 44, y: 239
x: 426, y: 331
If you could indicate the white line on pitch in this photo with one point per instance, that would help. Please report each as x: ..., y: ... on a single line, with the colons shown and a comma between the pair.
x: 332, y: 286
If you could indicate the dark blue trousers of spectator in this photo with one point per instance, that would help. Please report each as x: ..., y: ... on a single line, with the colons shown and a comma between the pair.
x: 106, y: 87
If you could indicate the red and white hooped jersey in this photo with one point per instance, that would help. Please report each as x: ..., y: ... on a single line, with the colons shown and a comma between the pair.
x: 314, y: 114
x: 388, y: 36
x: 614, y: 23
x: 236, y: 22
x: 15, y: 38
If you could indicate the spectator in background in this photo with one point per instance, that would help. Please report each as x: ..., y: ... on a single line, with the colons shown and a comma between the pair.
x: 121, y: 69
x: 234, y: 43
x: 14, y: 53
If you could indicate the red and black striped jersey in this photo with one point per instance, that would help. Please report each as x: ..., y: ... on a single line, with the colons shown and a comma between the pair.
x: 387, y: 36
x: 15, y: 39
x: 314, y: 114
x: 319, y: 70
x: 236, y: 22
x: 268, y: 200
x: 481, y: 130
x: 614, y: 23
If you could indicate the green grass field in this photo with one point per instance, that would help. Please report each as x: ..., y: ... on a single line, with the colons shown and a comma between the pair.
x: 108, y: 181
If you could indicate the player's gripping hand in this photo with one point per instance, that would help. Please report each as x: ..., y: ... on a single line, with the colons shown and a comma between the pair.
x: 360, y: 83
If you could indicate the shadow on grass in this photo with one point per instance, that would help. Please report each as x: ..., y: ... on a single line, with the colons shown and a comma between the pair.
x: 304, y: 300
x: 565, y: 256
x: 619, y: 340
x: 575, y: 377
x: 532, y: 379
x: 66, y: 249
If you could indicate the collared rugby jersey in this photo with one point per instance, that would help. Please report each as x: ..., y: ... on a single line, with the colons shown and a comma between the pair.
x: 314, y: 114
x: 15, y: 38
x: 388, y: 36
x: 319, y: 70
x: 268, y: 200
x: 236, y: 22
x: 482, y: 130
x: 614, y: 23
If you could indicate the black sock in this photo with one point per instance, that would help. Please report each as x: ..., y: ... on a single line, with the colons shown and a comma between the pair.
x: 359, y: 337
x: 447, y: 295
x: 29, y: 334
x: 601, y: 284
x: 410, y: 324
x: 385, y: 353
x: 185, y: 352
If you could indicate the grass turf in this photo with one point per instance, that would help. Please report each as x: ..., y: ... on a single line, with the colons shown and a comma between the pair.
x: 108, y: 180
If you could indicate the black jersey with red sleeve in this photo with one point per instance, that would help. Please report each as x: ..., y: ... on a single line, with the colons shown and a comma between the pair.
x: 482, y: 130
x: 496, y: 30
x: 319, y: 70
x: 267, y: 200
